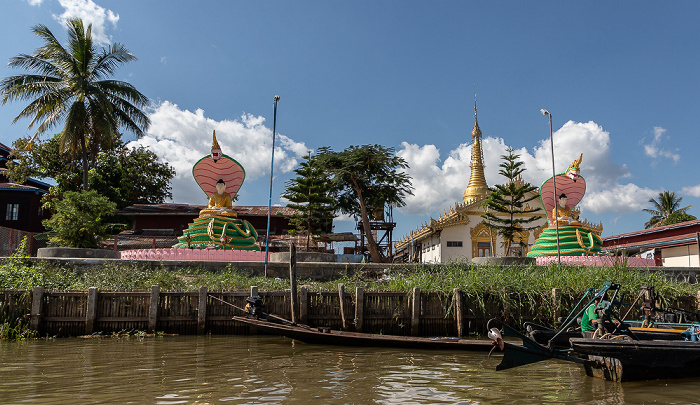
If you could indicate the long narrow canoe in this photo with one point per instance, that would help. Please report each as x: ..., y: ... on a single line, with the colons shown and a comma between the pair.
x: 326, y: 336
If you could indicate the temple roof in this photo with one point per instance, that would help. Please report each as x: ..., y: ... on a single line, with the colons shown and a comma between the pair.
x: 477, y: 187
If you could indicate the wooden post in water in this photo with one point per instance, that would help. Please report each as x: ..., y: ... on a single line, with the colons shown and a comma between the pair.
x: 293, y: 298
x: 459, y: 311
x: 359, y: 308
x: 556, y: 302
x: 415, y: 312
x: 91, y: 311
x: 304, y: 305
x: 202, y: 311
x: 153, y: 309
x: 341, y: 296
x: 37, y: 308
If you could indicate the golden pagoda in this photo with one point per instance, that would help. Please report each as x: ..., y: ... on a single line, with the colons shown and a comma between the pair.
x: 477, y: 187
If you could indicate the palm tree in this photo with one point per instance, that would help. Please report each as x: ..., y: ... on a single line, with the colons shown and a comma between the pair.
x: 72, y: 84
x: 667, y: 210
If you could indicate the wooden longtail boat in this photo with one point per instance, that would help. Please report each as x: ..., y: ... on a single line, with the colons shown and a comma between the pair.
x: 630, y: 360
x: 616, y: 359
x: 327, y: 336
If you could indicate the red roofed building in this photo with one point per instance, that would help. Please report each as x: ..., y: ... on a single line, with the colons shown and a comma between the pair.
x: 671, y: 245
x: 172, y: 219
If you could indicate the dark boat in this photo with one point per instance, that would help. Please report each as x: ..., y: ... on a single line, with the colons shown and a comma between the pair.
x: 630, y: 360
x: 327, y: 336
x: 617, y: 358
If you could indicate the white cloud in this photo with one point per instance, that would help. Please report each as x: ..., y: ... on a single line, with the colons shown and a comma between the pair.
x: 438, y: 185
x: 90, y: 13
x: 35, y: 2
x: 655, y: 152
x: 693, y: 190
x: 621, y: 198
x: 181, y: 138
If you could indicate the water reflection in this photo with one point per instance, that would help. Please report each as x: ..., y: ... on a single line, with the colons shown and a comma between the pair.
x: 266, y: 370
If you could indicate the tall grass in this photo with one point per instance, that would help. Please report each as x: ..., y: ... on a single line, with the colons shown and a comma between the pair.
x: 502, y: 290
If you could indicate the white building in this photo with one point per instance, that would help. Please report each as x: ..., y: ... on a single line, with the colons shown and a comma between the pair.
x: 461, y: 233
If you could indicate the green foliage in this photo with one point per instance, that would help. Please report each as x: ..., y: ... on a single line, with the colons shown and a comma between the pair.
x: 667, y: 210
x: 71, y: 84
x: 126, y: 176
x: 503, y: 291
x: 78, y: 219
x: 365, y: 179
x: 310, y: 196
x: 506, y: 209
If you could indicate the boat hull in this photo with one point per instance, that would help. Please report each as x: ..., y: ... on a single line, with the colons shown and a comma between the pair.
x: 326, y: 336
x: 628, y: 360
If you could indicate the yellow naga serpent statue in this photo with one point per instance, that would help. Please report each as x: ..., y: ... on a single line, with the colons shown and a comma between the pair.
x: 575, y: 238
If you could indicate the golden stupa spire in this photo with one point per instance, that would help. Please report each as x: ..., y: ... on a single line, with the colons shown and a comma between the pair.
x: 477, y: 187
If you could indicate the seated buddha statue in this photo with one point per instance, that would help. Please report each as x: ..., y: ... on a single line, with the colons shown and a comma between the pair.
x: 564, y: 215
x: 220, y: 203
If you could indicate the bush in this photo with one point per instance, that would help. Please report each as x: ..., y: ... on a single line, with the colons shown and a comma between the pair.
x: 78, y: 219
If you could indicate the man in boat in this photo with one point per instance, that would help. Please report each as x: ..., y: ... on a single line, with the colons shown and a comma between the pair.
x: 590, y: 318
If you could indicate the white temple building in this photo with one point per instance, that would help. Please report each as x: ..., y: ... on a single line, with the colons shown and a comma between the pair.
x: 460, y: 233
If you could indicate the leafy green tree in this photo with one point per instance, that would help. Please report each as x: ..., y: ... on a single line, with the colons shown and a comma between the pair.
x: 310, y: 196
x: 506, y: 205
x: 71, y: 84
x: 667, y: 210
x: 365, y: 179
x: 78, y: 219
x: 124, y: 175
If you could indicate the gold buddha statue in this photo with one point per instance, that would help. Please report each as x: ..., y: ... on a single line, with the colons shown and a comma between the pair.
x: 565, y: 215
x: 220, y: 203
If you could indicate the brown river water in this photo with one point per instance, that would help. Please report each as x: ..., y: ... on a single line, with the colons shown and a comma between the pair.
x: 271, y: 370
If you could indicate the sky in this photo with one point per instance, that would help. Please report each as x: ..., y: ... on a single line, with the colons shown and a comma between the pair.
x: 620, y: 80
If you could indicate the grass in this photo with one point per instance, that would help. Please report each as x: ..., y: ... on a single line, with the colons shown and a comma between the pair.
x: 509, y: 289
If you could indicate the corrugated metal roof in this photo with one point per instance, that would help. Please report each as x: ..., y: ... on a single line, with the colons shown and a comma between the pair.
x: 669, y: 241
x: 660, y: 229
x: 187, y: 209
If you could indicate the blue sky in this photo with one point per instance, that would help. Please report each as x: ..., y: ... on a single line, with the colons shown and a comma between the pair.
x: 620, y: 79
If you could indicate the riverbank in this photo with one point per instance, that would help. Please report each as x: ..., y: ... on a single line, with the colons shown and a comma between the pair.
x: 512, y: 293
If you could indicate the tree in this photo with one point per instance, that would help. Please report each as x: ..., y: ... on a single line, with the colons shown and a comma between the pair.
x: 667, y: 210
x: 365, y: 179
x: 71, y: 84
x: 78, y: 219
x: 309, y: 194
x: 124, y: 175
x: 506, y: 209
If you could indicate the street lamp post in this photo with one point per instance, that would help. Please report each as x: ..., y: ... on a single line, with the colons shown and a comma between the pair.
x: 554, y: 181
x: 272, y: 166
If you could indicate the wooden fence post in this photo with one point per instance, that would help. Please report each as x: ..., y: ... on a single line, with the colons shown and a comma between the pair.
x: 556, y: 302
x: 304, y: 305
x: 459, y: 311
x: 359, y: 308
x: 202, y: 311
x: 293, y: 298
x: 415, y: 312
x: 91, y: 312
x: 37, y: 308
x: 153, y: 309
x: 341, y: 295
